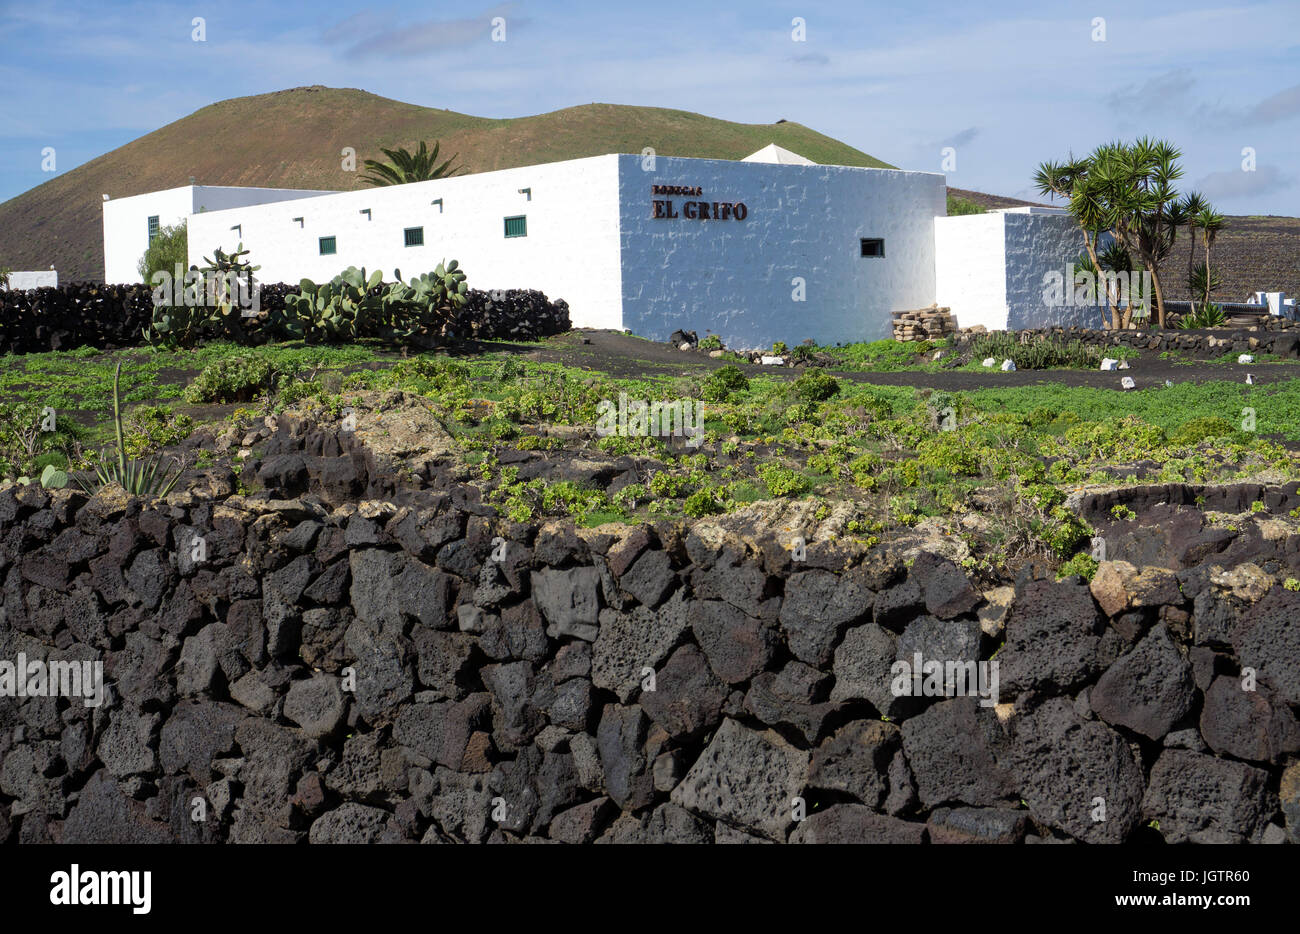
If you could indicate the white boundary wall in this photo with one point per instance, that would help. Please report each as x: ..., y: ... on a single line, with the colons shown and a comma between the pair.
x: 738, y: 279
x: 570, y: 251
x: 970, y: 269
x: 126, y: 220
x: 991, y: 267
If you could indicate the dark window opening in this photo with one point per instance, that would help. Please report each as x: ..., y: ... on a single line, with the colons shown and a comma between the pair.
x: 414, y: 236
x: 153, y: 227
x: 517, y: 226
x: 328, y: 245
x: 873, y: 247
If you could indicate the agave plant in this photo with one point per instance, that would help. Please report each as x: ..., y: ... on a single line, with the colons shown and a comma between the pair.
x: 137, y: 477
x: 1208, y: 315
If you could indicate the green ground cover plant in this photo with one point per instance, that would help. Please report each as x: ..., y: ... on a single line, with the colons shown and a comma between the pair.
x: 902, y: 456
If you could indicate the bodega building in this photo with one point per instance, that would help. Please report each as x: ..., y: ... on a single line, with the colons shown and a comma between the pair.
x: 769, y: 248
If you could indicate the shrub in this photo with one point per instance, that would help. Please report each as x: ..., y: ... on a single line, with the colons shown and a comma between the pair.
x: 703, y: 502
x: 297, y: 390
x: 710, y: 342
x: 233, y: 379
x: 723, y: 383
x: 24, y: 447
x: 816, y: 385
x: 951, y: 452
x: 1199, y: 429
x: 959, y: 206
x: 825, y: 464
x: 865, y: 469
x: 630, y: 495
x: 782, y: 481
x: 1040, y: 353
x: 169, y: 247
x: 150, y: 427
x: 1127, y: 439
x: 1083, y: 564
x: 668, y: 485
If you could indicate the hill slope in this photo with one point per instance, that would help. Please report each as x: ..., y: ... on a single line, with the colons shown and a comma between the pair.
x: 293, y: 139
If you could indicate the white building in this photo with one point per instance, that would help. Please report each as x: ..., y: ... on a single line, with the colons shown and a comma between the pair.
x: 991, y: 269
x: 130, y: 223
x: 769, y: 248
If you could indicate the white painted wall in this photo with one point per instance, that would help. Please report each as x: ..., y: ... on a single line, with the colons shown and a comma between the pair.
x: 1036, y: 244
x: 970, y: 268
x: 593, y: 241
x: 991, y: 267
x: 570, y: 252
x: 126, y: 220
x: 735, y: 278
x: 126, y: 228
x: 38, y: 279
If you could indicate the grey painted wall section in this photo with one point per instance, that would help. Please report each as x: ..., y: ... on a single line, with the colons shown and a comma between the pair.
x: 1036, y: 244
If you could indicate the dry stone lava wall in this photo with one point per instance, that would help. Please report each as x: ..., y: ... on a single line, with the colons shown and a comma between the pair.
x: 414, y: 670
x: 1278, y: 336
x: 113, y: 316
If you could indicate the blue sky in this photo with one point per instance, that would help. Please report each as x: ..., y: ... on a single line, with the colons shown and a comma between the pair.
x: 1006, y: 85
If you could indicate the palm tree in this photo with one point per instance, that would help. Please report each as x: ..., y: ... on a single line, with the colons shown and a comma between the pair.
x: 1210, y: 222
x: 405, y: 166
x: 1192, y: 205
x: 1069, y: 180
x: 1125, y: 190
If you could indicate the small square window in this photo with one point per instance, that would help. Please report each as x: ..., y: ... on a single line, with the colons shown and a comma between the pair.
x: 153, y: 227
x: 414, y: 236
x: 328, y: 246
x: 873, y: 247
x: 517, y: 226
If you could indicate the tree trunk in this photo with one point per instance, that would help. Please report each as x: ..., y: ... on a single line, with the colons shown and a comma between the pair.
x: 1206, y: 238
x: 1091, y: 247
x: 1160, y: 297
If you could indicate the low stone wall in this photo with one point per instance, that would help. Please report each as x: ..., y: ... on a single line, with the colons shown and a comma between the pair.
x: 323, y: 669
x: 1278, y: 336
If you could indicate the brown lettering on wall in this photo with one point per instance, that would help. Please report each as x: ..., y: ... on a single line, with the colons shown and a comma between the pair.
x: 663, y: 208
